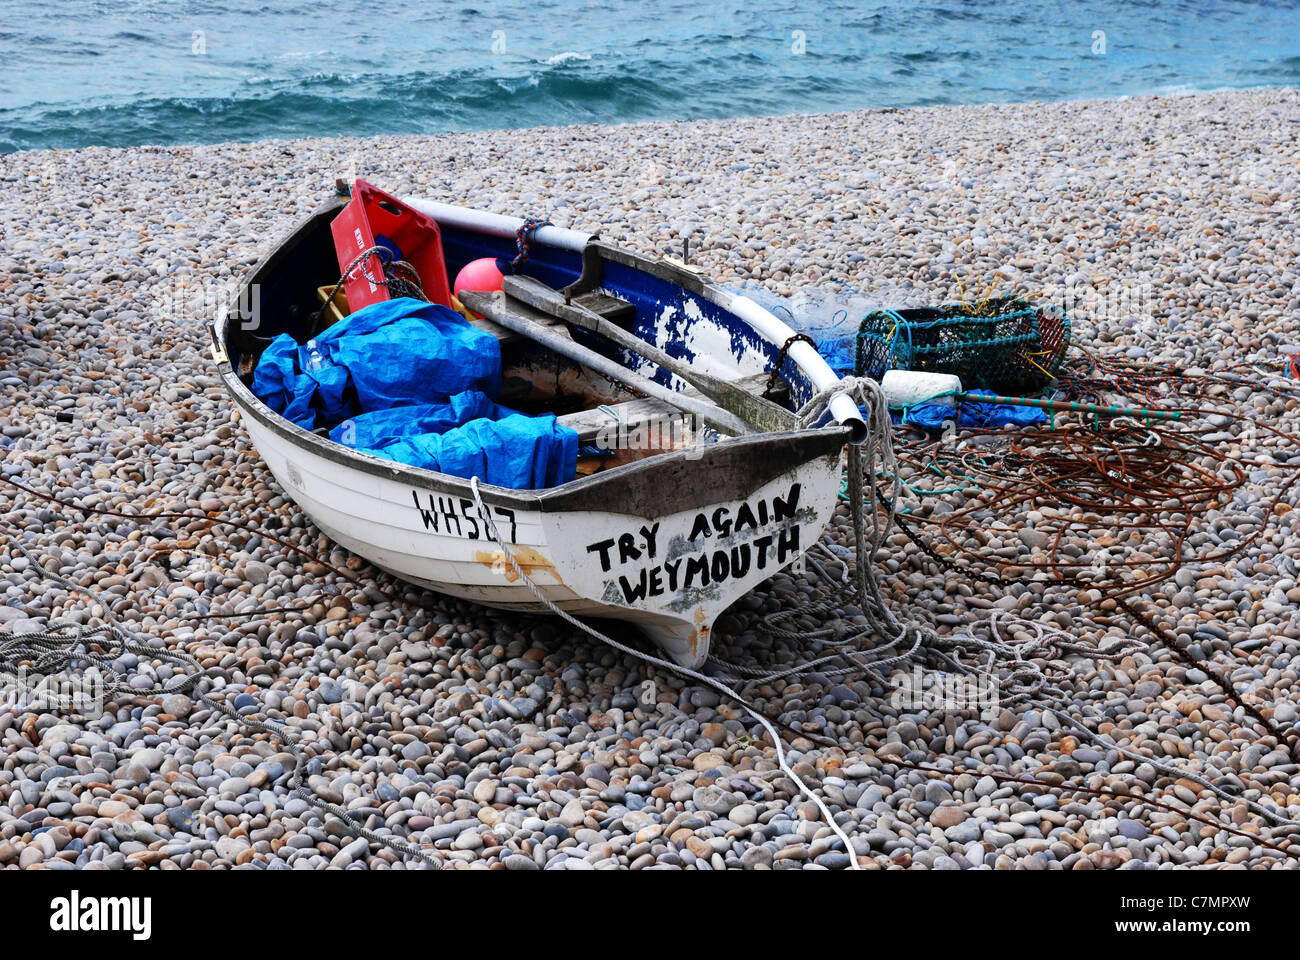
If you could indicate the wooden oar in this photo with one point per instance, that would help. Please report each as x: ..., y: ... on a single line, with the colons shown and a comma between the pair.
x: 494, y: 307
x: 755, y: 410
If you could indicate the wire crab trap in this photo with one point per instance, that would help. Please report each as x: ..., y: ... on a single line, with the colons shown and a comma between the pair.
x: 1004, y: 344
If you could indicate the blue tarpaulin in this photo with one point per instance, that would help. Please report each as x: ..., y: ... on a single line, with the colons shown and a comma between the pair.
x: 379, y: 428
x: 971, y: 414
x: 390, y: 354
x: 516, y: 451
x: 412, y: 382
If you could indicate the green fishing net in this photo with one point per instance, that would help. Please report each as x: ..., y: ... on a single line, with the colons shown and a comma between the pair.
x: 1006, y: 344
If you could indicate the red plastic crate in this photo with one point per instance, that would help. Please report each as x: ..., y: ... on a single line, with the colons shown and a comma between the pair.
x: 372, y: 213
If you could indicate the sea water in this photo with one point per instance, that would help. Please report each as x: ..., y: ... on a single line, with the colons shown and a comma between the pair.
x: 94, y: 72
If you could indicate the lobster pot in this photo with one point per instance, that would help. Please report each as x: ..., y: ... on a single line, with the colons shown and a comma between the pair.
x: 1005, y: 345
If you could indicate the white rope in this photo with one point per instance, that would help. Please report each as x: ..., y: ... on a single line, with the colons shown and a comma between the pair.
x: 722, y: 688
x: 1170, y: 770
x: 875, y: 457
x: 1027, y: 681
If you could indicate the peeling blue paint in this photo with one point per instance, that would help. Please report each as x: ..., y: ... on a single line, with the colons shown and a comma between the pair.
x: 658, y: 303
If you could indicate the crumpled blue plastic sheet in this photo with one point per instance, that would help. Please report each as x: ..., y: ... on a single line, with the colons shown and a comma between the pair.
x: 516, y: 451
x: 379, y: 428
x: 469, y: 435
x: 389, y: 354
x: 839, y: 355
x: 971, y: 414
x: 411, y: 381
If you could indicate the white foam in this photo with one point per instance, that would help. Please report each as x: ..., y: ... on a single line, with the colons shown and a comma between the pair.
x: 565, y: 57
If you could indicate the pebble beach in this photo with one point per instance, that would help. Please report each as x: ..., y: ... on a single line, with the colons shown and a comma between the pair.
x: 495, y: 740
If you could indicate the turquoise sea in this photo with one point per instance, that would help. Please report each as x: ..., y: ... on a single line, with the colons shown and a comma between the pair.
x: 82, y: 72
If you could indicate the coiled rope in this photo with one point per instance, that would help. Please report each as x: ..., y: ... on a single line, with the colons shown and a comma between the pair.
x: 524, y: 240
x: 1018, y: 679
x: 398, y: 276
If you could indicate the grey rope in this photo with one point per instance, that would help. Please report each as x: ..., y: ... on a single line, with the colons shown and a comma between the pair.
x: 1026, y: 682
x: 491, y: 527
x: 55, y: 652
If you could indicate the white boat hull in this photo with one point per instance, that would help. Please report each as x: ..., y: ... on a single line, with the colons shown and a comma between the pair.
x: 667, y: 542
x: 672, y: 573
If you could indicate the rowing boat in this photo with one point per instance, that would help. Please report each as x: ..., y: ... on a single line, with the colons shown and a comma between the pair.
x: 675, y: 515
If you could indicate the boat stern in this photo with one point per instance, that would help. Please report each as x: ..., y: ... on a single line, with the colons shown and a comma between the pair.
x: 675, y: 564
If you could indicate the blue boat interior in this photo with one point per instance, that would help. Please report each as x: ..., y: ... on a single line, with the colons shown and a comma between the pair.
x: 283, y: 298
x: 654, y: 300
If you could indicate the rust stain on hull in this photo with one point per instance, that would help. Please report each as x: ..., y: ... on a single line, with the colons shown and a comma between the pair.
x: 530, y: 562
x: 702, y: 630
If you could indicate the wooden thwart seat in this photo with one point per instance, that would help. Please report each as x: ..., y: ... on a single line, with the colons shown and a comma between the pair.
x: 589, y: 424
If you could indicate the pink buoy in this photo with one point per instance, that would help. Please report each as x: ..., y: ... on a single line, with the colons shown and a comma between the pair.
x: 481, y: 276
